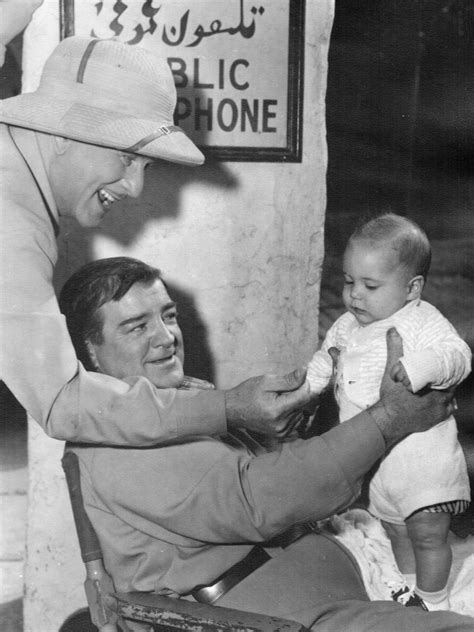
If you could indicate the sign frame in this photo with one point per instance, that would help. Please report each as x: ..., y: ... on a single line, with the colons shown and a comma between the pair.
x: 291, y: 148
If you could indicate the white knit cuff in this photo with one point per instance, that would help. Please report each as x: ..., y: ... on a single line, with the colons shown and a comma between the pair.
x: 422, y: 368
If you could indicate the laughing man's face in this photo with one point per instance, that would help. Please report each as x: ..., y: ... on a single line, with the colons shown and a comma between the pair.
x: 87, y: 179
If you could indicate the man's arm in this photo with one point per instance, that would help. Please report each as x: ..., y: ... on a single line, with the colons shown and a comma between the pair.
x: 315, y: 478
x: 247, y: 498
x: 39, y: 365
x: 37, y: 358
x: 335, y: 463
x: 75, y: 405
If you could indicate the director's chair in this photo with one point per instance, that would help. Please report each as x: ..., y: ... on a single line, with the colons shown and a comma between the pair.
x: 110, y: 611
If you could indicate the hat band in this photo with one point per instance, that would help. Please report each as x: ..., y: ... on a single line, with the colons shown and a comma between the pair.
x: 164, y: 130
x: 84, y: 60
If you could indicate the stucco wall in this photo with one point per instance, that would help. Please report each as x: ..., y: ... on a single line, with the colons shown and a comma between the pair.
x: 241, y: 246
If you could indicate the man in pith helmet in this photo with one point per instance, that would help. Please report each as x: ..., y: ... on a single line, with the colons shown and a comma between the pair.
x: 102, y: 112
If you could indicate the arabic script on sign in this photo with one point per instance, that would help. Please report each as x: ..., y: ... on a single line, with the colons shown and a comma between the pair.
x: 183, y: 30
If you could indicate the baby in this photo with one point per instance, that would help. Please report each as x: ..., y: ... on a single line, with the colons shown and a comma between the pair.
x: 423, y: 480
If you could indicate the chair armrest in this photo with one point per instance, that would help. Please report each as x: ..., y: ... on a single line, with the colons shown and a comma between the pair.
x: 180, y: 614
x: 88, y: 541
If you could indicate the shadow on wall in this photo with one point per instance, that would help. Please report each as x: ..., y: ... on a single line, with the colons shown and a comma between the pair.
x: 198, y: 361
x: 10, y: 72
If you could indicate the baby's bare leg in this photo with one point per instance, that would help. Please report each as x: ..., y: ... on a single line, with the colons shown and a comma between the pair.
x: 428, y: 533
x: 402, y: 547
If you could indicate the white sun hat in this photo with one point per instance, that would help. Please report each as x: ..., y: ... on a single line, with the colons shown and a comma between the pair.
x: 107, y: 93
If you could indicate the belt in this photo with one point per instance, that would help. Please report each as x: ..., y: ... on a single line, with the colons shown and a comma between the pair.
x: 253, y: 560
x: 208, y: 594
x: 294, y: 533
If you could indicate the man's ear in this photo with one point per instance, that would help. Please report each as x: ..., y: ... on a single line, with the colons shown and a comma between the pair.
x: 415, y: 287
x: 92, y: 355
x: 61, y: 144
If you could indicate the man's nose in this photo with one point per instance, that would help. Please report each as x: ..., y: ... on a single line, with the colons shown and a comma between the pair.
x: 161, y: 335
x: 134, y: 179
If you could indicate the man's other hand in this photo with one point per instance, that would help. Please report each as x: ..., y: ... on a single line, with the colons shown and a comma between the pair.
x: 268, y: 404
x: 399, y: 412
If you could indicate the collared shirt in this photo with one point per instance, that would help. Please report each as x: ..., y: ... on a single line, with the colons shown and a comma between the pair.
x: 173, y: 517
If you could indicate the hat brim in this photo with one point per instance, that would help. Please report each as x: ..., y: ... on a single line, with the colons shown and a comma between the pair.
x: 152, y: 138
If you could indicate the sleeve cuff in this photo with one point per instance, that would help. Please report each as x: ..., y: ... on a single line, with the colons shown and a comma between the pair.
x: 421, y: 368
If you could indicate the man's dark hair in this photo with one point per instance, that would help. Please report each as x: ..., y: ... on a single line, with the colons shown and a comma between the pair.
x: 92, y: 286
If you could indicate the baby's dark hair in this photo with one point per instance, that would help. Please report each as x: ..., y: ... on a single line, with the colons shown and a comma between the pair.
x: 404, y: 236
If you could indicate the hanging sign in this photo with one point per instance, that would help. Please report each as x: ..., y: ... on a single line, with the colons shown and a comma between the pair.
x: 237, y: 66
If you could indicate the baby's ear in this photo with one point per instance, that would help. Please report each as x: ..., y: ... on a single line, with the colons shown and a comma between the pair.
x: 415, y: 287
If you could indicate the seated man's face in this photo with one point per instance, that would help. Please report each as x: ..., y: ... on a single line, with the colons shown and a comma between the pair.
x: 141, y: 336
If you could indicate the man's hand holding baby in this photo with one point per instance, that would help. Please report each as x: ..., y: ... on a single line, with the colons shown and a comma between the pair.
x: 399, y: 374
x: 399, y: 412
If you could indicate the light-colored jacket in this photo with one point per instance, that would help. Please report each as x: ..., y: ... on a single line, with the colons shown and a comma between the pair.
x: 173, y: 517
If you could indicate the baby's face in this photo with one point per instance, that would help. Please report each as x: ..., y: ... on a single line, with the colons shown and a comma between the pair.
x: 375, y: 284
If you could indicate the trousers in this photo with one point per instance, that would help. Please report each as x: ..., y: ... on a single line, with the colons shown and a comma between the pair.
x: 316, y: 582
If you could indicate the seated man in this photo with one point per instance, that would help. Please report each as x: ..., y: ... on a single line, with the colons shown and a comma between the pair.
x: 176, y: 518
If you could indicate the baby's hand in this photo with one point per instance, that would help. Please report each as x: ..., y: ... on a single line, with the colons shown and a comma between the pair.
x: 398, y: 374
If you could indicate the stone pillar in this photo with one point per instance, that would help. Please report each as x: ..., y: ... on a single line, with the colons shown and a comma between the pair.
x: 54, y: 573
x: 241, y: 246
